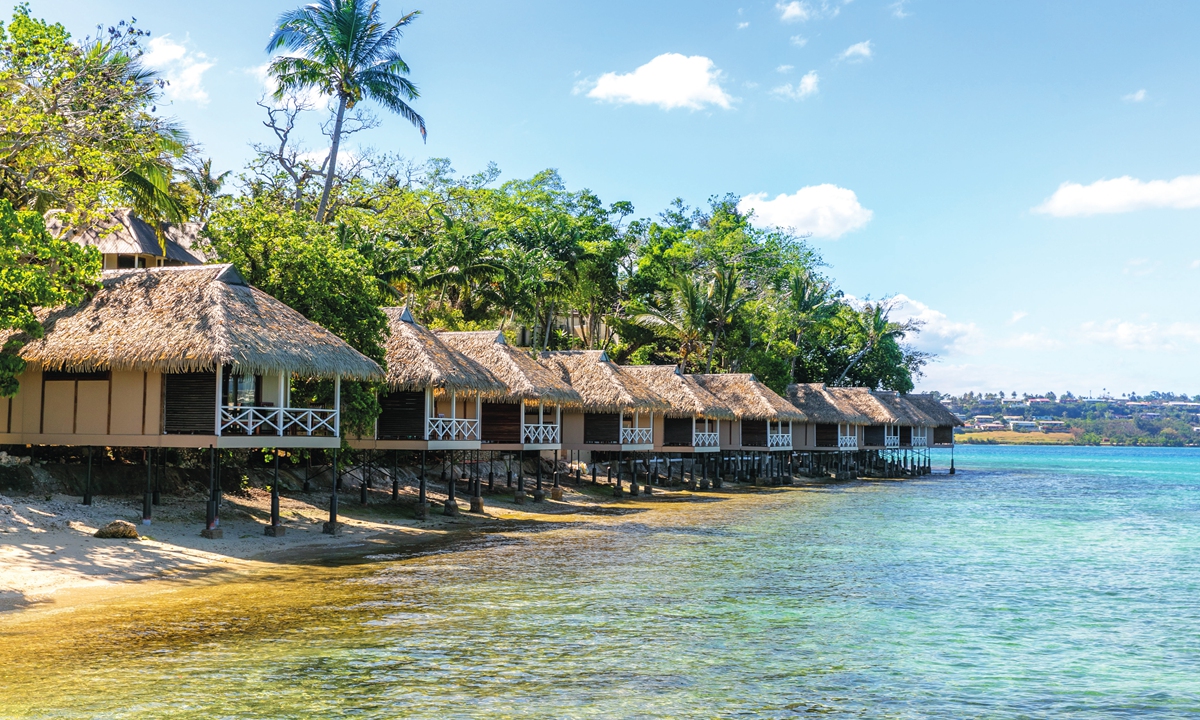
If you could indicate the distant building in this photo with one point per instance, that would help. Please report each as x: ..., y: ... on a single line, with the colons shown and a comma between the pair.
x: 1023, y: 426
x: 125, y: 241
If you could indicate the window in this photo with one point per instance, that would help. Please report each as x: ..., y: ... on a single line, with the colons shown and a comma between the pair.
x: 243, y: 390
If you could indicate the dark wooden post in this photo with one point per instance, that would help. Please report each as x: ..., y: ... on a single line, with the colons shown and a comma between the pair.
x: 308, y: 472
x: 211, y: 529
x: 333, y: 527
x: 395, y: 476
x: 275, y: 529
x: 148, y: 497
x: 364, y: 479
x: 87, y: 483
x: 160, y: 467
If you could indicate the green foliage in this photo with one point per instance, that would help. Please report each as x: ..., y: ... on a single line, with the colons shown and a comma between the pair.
x: 36, y: 271
x: 76, y: 125
x: 314, y: 269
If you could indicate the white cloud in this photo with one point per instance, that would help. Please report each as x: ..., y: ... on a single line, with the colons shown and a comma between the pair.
x: 183, y: 69
x: 669, y: 81
x: 898, y: 9
x: 802, y: 89
x: 785, y: 68
x: 1017, y: 316
x: 1143, y: 336
x: 743, y: 25
x: 857, y: 52
x: 826, y: 211
x: 1195, y: 264
x: 1123, y: 194
x: 799, y: 40
x: 939, y: 334
x: 794, y: 11
x: 1135, y: 97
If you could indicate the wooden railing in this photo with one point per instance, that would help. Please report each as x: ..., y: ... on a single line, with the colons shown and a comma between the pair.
x: 919, y: 441
x: 253, y: 420
x: 847, y: 442
x: 705, y: 439
x: 779, y: 440
x: 891, y: 441
x: 542, y: 434
x: 453, y: 429
x: 637, y: 436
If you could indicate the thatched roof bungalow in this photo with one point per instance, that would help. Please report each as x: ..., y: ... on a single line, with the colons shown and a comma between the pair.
x: 761, y: 413
x: 528, y: 415
x: 942, y: 420
x: 177, y: 357
x: 434, y: 392
x: 834, y: 422
x: 693, y: 424
x: 125, y: 241
x: 617, y: 410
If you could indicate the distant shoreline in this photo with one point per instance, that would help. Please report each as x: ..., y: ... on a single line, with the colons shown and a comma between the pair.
x: 1008, y: 437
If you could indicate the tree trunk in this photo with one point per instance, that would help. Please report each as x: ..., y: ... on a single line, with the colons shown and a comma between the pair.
x: 549, y: 320
x: 331, y: 168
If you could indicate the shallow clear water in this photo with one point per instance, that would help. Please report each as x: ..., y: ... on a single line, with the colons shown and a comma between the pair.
x: 1038, y: 582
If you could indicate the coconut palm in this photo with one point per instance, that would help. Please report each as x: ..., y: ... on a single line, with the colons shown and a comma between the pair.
x: 199, y: 177
x: 725, y: 298
x: 683, y: 315
x: 809, y: 300
x: 342, y: 49
x: 876, y: 328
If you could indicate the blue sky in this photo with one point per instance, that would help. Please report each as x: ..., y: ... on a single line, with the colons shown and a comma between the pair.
x: 1023, y: 176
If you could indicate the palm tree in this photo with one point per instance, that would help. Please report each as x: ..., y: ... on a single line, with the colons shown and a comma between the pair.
x: 207, y: 186
x: 725, y: 299
x: 343, y: 49
x: 683, y: 316
x: 809, y: 300
x: 876, y: 328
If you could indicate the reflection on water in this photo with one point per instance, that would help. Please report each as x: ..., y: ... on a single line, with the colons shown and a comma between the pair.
x: 1035, y: 586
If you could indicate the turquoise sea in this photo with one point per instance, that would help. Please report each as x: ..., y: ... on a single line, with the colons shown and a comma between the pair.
x: 1048, y: 582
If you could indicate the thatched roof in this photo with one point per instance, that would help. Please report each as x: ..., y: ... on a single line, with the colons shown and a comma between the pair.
x: 821, y: 406
x: 602, y: 384
x: 933, y: 407
x: 907, y: 413
x: 124, y: 233
x: 190, y: 318
x: 748, y: 398
x: 524, y: 377
x: 860, y: 400
x: 686, y: 396
x: 418, y: 359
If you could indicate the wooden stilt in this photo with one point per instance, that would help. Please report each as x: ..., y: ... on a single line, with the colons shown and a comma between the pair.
x: 275, y: 529
x: 333, y: 527
x: 87, y: 482
x: 211, y: 531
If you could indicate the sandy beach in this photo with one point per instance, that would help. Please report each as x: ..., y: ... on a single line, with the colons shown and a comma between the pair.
x: 48, y: 553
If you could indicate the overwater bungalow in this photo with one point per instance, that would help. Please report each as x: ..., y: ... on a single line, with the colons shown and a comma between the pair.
x: 833, y: 425
x: 941, y: 433
x: 178, y: 357
x: 618, y: 410
x: 693, y: 422
x: 528, y: 415
x: 434, y: 393
x: 125, y: 241
x: 759, y: 440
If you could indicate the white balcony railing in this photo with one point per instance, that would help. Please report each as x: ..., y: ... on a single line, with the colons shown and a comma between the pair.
x: 251, y: 420
x: 543, y: 434
x: 705, y: 439
x: 919, y: 441
x: 891, y: 441
x: 453, y: 429
x: 847, y: 442
x: 637, y: 436
x: 779, y: 440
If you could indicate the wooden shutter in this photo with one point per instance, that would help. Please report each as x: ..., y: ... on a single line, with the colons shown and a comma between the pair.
x: 754, y: 433
x: 403, y: 416
x: 190, y: 403
x: 905, y: 435
x: 677, y: 431
x: 827, y: 435
x: 943, y: 435
x: 501, y: 423
x: 602, y: 428
x: 873, y: 436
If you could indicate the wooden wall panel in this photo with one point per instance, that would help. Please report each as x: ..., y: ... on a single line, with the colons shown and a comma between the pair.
x: 58, y: 407
x: 905, y: 435
x: 91, y: 407
x: 125, y: 413
x: 602, y: 428
x: 403, y: 416
x: 873, y: 436
x: 189, y: 403
x: 153, y: 424
x: 677, y: 432
x: 754, y: 433
x: 502, y: 423
x: 827, y: 435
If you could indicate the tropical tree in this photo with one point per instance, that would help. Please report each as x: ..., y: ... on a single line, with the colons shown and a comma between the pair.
x: 808, y: 300
x: 726, y: 297
x: 682, y: 315
x: 204, y: 186
x: 876, y: 329
x: 37, y: 270
x: 342, y: 49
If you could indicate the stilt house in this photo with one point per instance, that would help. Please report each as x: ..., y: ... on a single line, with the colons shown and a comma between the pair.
x: 765, y: 421
x: 185, y: 357
x: 833, y: 423
x: 693, y: 422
